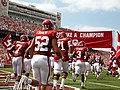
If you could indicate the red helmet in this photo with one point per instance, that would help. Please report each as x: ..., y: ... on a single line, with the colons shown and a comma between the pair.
x: 81, y: 43
x: 47, y: 24
x: 62, y: 35
x: 23, y: 38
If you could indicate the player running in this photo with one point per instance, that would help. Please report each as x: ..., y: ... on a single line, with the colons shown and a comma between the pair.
x: 61, y: 65
x: 80, y: 51
x: 17, y: 51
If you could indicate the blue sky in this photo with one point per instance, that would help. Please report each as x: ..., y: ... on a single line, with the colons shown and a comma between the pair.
x: 77, y: 14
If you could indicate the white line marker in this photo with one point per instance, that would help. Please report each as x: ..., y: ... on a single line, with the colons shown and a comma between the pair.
x: 104, y: 84
x: 100, y: 84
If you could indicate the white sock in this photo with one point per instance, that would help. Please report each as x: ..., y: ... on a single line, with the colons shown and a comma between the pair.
x: 55, y: 82
x: 87, y: 73
x: 15, y: 85
x: 62, y: 82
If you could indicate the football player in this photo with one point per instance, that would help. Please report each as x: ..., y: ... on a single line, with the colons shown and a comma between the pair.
x: 109, y: 64
x: 97, y: 65
x: 80, y: 51
x: 61, y: 65
x: 118, y: 63
x: 39, y: 50
x: 17, y: 51
x: 87, y: 63
x: 27, y: 62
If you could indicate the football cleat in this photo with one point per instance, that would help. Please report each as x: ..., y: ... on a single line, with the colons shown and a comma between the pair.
x: 16, y: 85
x: 61, y: 88
x: 7, y: 79
x: 82, y: 85
x: 23, y: 83
x: 119, y: 78
x: 54, y: 88
x: 74, y: 78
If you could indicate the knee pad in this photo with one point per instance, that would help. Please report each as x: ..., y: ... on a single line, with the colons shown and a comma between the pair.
x: 56, y: 76
x: 64, y: 74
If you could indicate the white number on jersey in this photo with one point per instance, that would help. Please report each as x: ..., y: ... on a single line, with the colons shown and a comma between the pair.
x: 18, y: 49
x: 78, y: 54
x: 41, y: 45
x: 60, y: 44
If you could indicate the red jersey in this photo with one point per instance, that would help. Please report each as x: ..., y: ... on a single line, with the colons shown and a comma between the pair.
x: 43, y: 42
x: 80, y: 53
x: 19, y: 48
x: 63, y: 45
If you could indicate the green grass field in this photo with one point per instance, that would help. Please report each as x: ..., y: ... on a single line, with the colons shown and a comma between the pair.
x: 104, y: 83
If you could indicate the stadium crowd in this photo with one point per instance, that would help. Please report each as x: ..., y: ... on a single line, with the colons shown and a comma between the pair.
x: 7, y: 23
x: 2, y: 54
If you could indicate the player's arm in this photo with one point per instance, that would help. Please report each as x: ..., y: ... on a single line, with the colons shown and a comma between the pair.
x: 70, y: 51
x: 30, y: 49
x: 74, y: 54
x: 86, y: 54
x: 56, y: 49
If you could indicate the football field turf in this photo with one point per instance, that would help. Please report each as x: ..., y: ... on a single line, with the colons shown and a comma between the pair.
x: 103, y: 83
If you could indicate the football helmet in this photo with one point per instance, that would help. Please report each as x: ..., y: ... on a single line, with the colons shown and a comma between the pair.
x: 63, y: 35
x: 81, y: 44
x: 47, y: 24
x: 23, y: 38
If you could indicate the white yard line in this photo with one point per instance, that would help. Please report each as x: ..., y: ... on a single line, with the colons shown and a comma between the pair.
x: 72, y: 87
x: 6, y: 71
x: 104, y: 84
x: 101, y: 84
